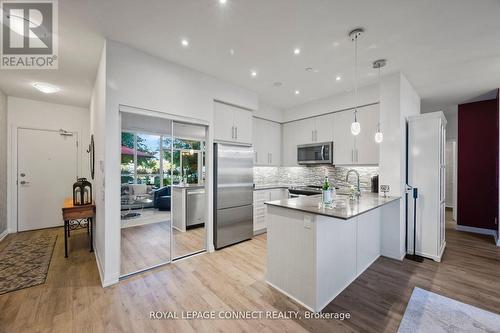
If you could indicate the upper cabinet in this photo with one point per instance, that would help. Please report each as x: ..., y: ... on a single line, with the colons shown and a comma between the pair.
x: 316, y: 129
x: 362, y: 149
x: 266, y: 142
x: 232, y: 124
x: 367, y: 150
x: 290, y: 142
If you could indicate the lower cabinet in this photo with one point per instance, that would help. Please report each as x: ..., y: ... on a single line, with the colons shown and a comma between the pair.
x: 259, y: 207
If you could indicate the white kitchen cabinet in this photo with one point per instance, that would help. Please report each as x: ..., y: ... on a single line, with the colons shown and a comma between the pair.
x: 290, y: 142
x: 362, y: 149
x: 367, y: 150
x: 343, y: 140
x: 259, y: 208
x: 324, y: 128
x: 232, y: 124
x: 305, y: 131
x: 266, y: 142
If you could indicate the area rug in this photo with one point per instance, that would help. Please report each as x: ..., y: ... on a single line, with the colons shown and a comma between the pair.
x: 433, y: 313
x: 25, y: 263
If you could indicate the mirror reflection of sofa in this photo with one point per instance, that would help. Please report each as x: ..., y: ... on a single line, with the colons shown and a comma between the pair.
x: 135, y: 196
x: 162, y: 198
x: 139, y: 196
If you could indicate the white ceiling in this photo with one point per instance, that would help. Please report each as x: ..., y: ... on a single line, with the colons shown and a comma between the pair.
x: 449, y: 49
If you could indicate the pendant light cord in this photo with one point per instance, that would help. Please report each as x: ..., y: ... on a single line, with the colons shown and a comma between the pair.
x: 356, y: 76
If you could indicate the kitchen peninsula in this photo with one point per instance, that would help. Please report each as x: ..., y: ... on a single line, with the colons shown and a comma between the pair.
x: 315, y: 252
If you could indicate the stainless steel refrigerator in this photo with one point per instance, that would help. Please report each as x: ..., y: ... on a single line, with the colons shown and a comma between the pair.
x: 233, y: 194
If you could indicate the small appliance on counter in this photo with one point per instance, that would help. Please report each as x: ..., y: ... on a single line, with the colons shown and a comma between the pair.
x: 375, y: 184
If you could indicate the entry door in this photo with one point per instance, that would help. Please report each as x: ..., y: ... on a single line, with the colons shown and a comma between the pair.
x: 46, y: 171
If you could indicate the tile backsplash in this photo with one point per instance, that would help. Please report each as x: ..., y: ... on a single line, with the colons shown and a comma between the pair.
x: 314, y: 175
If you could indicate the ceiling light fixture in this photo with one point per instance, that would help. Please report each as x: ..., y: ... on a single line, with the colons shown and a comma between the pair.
x: 297, y: 92
x: 222, y: 2
x: 338, y: 78
x: 184, y: 42
x: 253, y: 73
x: 378, y: 64
x: 46, y: 88
x: 231, y: 51
x: 354, y: 35
x: 277, y: 84
x: 296, y: 51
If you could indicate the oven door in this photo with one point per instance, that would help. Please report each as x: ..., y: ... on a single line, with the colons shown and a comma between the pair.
x: 315, y: 153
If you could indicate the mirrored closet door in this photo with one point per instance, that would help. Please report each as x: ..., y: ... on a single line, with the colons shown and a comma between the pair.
x: 189, y: 192
x: 147, y: 165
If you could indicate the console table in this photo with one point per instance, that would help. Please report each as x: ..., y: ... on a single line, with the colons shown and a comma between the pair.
x: 77, y: 217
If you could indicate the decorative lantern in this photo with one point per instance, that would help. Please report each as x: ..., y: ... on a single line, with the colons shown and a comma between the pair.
x: 82, y: 192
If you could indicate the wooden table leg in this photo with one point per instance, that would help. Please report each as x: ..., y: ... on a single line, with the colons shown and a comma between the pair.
x: 91, y: 224
x: 66, y: 227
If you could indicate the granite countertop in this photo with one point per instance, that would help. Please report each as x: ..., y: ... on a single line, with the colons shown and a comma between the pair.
x: 342, y: 208
x: 270, y: 186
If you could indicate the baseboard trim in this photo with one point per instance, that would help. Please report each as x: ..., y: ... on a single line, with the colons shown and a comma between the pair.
x: 497, y: 238
x: 4, y: 234
x: 260, y: 231
x: 104, y: 282
x: 290, y: 296
x: 482, y: 231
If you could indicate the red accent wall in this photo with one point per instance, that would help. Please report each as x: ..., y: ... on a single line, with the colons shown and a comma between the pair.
x: 477, y: 180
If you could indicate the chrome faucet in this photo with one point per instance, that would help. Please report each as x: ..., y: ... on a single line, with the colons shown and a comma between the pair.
x: 358, y: 191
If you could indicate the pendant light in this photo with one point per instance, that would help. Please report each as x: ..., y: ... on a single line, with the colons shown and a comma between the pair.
x: 378, y: 64
x: 354, y: 35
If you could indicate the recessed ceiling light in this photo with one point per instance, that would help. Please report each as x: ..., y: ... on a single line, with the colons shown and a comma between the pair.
x: 222, y: 2
x: 335, y: 44
x: 297, y: 92
x: 338, y: 78
x: 231, y: 51
x: 184, y: 42
x: 296, y: 51
x: 277, y: 84
x: 46, y: 88
x: 253, y: 73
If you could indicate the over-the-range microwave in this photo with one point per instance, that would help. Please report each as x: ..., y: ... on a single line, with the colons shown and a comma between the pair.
x: 315, y: 153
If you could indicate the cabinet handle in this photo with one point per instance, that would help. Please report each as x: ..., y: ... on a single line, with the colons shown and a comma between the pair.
x: 256, y: 157
x: 316, y: 135
x: 232, y: 132
x: 271, y: 154
x: 312, y: 136
x: 352, y: 155
x: 357, y: 160
x: 236, y: 132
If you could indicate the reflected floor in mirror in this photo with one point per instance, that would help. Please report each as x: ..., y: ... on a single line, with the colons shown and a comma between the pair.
x: 145, y: 241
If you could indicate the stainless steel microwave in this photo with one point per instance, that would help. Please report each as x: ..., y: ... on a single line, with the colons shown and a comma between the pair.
x: 315, y: 153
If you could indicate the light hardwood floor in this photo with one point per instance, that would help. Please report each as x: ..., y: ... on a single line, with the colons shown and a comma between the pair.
x: 72, y: 299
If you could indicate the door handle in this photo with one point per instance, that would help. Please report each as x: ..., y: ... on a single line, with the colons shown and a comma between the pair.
x: 24, y: 182
x: 323, y: 152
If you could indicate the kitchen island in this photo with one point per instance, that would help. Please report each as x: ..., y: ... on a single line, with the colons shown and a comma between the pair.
x: 315, y: 252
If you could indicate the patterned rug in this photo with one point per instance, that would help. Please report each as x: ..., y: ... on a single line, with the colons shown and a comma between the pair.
x: 25, y: 263
x: 428, y: 312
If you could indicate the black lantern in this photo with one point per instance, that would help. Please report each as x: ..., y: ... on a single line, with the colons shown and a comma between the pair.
x: 82, y: 192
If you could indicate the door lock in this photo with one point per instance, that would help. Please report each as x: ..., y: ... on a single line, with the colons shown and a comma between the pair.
x: 23, y: 182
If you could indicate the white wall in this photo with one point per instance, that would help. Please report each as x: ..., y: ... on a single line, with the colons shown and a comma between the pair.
x: 35, y: 114
x: 98, y: 129
x: 269, y: 112
x: 3, y: 164
x: 136, y: 79
x: 451, y: 114
x: 398, y: 101
x: 366, y: 95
